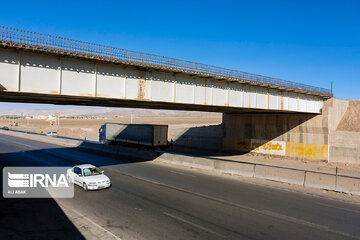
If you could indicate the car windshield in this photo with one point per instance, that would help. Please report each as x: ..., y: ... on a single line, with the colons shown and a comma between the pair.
x: 92, y: 171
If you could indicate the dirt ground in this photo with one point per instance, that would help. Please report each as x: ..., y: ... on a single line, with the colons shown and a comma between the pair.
x: 351, y: 118
x: 88, y: 128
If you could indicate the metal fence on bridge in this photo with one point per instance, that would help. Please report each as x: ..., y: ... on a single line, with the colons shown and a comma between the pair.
x: 28, y: 39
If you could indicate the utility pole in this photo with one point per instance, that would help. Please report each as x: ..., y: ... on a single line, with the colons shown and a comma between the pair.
x: 58, y: 119
x: 332, y: 88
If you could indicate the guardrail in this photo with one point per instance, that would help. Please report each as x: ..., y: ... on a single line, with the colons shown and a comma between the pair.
x: 18, y: 37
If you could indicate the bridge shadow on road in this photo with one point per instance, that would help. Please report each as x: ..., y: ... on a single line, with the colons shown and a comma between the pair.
x: 34, y: 218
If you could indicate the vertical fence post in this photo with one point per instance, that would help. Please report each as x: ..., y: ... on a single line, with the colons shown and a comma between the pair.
x: 336, y: 177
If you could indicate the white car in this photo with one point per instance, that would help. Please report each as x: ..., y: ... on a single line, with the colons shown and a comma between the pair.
x: 88, y: 177
x: 52, y: 134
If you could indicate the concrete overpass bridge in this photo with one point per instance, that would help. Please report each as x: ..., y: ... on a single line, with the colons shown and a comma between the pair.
x: 40, y: 68
x: 261, y: 114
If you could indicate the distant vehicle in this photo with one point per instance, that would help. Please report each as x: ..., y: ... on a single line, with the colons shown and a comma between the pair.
x: 52, y: 134
x: 141, y: 134
x: 88, y: 177
x: 4, y: 128
x: 14, y: 124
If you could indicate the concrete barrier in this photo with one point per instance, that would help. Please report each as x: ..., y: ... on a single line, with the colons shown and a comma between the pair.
x: 320, y: 180
x: 348, y: 185
x: 188, y: 161
x: 306, y: 178
x: 279, y: 174
x: 242, y: 169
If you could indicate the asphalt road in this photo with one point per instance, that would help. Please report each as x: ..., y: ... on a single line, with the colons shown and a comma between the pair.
x: 152, y: 201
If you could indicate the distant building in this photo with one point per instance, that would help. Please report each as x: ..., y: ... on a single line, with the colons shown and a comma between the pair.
x: 10, y: 116
x: 41, y: 117
x: 50, y: 118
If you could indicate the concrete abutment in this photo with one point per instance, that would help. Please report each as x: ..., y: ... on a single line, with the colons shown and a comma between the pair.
x: 295, y: 135
x: 283, y: 134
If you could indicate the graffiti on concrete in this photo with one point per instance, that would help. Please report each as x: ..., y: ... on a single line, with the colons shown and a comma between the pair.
x: 268, y: 147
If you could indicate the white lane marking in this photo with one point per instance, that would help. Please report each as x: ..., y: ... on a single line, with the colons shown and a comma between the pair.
x: 183, y: 174
x: 92, y: 222
x: 263, y: 212
x: 193, y: 224
x: 145, y: 179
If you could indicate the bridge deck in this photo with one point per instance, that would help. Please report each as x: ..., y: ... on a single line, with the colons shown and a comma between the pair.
x: 16, y: 38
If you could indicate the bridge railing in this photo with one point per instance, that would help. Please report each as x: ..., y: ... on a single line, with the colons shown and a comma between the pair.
x: 18, y: 37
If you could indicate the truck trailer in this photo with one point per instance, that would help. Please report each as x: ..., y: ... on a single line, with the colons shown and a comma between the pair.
x: 140, y: 134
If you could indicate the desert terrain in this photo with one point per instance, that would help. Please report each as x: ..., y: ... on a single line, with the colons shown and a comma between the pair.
x: 82, y: 128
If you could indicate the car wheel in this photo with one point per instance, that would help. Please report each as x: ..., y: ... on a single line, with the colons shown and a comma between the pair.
x: 85, y: 186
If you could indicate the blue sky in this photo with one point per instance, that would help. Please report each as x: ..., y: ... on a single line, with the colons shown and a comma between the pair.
x: 312, y: 42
